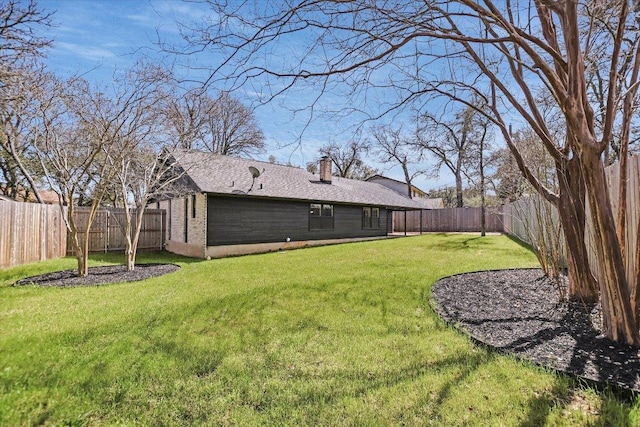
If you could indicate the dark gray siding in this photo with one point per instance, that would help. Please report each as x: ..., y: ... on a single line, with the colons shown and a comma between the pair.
x: 235, y: 220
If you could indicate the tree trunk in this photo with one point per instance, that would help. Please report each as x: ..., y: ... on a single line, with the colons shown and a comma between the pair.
x: 83, y: 268
x: 635, y: 290
x: 83, y: 256
x: 73, y: 235
x: 583, y: 285
x: 26, y: 174
x: 129, y: 250
x: 83, y: 264
x: 131, y: 260
x: 407, y: 178
x: 618, y: 317
x: 136, y: 234
x: 459, y: 200
x: 483, y: 214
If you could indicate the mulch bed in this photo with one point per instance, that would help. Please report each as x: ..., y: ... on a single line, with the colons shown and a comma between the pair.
x: 517, y: 311
x: 99, y: 275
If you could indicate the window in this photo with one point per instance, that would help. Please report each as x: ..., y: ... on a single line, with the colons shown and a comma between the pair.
x: 375, y: 218
x: 320, y: 216
x: 193, y: 206
x: 370, y: 218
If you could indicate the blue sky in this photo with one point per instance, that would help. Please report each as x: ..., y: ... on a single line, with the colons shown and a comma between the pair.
x: 97, y: 38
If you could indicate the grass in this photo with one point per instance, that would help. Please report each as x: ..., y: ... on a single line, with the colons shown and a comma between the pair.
x: 337, y: 335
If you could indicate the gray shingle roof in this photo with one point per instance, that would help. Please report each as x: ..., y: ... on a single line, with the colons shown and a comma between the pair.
x: 216, y: 174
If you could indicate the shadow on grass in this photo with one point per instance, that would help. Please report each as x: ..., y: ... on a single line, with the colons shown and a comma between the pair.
x: 143, y: 257
x: 539, y: 407
x: 458, y: 242
x: 463, y: 242
x: 519, y: 242
x: 566, y: 397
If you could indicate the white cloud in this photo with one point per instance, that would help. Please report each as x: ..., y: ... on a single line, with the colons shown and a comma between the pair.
x: 86, y: 52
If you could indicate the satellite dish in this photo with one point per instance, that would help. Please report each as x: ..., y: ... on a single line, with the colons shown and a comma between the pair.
x: 254, y: 172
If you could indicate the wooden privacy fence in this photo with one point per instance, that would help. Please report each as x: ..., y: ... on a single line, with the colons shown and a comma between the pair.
x: 633, y: 211
x: 529, y: 218
x: 520, y: 217
x: 107, y: 230
x: 447, y: 220
x: 30, y: 232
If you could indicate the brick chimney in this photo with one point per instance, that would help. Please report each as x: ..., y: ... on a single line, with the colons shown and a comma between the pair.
x: 325, y: 170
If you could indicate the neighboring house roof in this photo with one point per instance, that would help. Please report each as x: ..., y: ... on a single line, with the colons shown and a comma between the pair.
x: 401, y: 188
x: 396, y: 185
x: 48, y: 196
x: 216, y: 174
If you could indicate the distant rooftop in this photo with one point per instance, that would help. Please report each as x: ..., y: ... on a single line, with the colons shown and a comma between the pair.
x: 400, y: 187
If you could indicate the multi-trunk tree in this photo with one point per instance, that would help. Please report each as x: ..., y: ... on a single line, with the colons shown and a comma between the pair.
x: 75, y: 139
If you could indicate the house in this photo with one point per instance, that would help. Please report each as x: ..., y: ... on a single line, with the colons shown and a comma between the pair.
x: 401, y: 188
x: 230, y: 206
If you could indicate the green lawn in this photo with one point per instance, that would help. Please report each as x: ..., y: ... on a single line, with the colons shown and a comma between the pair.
x: 336, y: 335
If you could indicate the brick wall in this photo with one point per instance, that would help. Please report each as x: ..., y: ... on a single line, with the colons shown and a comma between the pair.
x: 178, y: 210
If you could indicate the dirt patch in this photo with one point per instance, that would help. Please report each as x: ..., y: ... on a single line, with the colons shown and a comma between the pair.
x: 99, y: 275
x: 517, y: 311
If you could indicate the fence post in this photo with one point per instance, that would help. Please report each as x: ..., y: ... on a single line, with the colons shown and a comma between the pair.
x: 106, y: 232
x: 405, y: 222
x: 161, y: 230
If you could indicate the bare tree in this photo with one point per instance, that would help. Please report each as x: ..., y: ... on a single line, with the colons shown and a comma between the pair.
x: 395, y: 147
x: 19, y: 39
x: 146, y: 172
x: 232, y: 129
x: 78, y: 128
x: 348, y: 158
x: 515, y: 50
x: 481, y: 155
x: 18, y: 115
x: 185, y: 115
x: 67, y: 155
x: 220, y: 125
x: 139, y: 162
x: 20, y: 47
x: 451, y: 141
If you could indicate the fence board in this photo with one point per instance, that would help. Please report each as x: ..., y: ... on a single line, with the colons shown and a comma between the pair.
x: 518, y: 217
x: 447, y: 220
x: 30, y: 232
x: 107, y: 229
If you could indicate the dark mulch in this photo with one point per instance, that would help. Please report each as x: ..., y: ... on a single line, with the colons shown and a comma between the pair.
x: 99, y: 275
x: 517, y: 311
